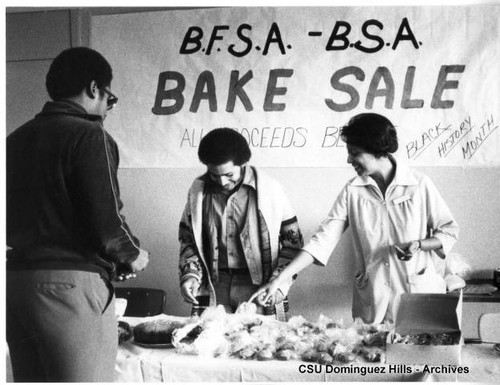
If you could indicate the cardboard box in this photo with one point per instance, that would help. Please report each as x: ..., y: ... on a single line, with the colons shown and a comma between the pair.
x: 426, y: 313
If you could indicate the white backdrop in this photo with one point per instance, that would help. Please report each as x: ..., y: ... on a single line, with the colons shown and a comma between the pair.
x: 288, y: 78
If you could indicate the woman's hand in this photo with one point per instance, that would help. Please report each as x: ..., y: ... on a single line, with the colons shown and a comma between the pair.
x: 413, y: 247
x: 407, y: 251
x: 268, y: 294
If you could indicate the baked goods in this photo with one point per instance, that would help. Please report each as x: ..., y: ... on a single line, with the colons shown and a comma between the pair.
x: 202, y: 338
x: 156, y: 331
x: 452, y: 338
x: 247, y: 335
x: 192, y: 335
x: 285, y: 355
x: 375, y: 338
x: 265, y: 354
x: 370, y: 354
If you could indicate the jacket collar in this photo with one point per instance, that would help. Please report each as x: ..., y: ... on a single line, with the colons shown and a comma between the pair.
x: 403, y: 177
x: 249, y: 179
x: 67, y: 107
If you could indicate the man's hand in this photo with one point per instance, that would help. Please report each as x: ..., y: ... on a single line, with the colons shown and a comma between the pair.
x: 131, y: 270
x: 125, y: 277
x: 140, y: 262
x: 189, y: 290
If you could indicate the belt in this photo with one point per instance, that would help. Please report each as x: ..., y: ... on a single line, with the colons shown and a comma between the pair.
x: 234, y: 271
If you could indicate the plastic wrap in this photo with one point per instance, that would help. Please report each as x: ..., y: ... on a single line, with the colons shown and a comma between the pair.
x: 247, y: 335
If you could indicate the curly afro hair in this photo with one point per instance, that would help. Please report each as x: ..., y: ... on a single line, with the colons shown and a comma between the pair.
x: 74, y: 69
x: 222, y: 145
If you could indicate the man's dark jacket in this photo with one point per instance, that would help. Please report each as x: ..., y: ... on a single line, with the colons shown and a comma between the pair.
x: 63, y: 201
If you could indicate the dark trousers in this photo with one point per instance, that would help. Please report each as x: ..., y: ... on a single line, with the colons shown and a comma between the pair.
x: 61, y: 326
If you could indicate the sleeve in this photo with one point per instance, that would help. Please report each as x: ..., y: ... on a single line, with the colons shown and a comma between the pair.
x: 441, y: 223
x: 291, y: 239
x: 97, y: 197
x: 290, y: 236
x: 189, y: 261
x: 291, y: 243
x: 322, y: 243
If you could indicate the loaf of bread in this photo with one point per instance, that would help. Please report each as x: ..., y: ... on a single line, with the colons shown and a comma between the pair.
x: 156, y: 332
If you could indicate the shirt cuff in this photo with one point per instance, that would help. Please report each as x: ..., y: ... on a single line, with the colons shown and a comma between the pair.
x: 447, y: 243
x: 285, y: 287
x: 185, y: 277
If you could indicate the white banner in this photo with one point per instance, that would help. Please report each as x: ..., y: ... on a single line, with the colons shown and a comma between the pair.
x: 288, y: 78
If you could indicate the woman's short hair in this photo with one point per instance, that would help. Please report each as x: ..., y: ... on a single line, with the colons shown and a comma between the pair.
x: 73, y: 70
x: 222, y: 145
x: 372, y: 132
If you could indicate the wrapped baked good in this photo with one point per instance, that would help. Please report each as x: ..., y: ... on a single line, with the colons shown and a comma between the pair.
x: 204, y: 338
x: 156, y: 331
x: 304, y: 328
x: 325, y: 322
x: 247, y: 335
x: 124, y: 332
x: 370, y: 354
x: 310, y: 355
x: 325, y: 359
x: 192, y: 335
x: 265, y: 354
x: 247, y: 307
x: 285, y: 355
x: 322, y: 345
x: 377, y: 338
x: 247, y: 353
x: 242, y: 341
x: 344, y: 357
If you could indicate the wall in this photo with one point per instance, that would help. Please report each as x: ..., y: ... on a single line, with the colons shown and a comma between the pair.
x: 154, y: 198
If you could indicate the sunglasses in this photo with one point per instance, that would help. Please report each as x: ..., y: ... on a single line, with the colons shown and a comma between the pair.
x: 112, y: 98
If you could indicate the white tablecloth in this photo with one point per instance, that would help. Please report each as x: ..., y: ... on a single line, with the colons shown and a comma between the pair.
x: 138, y: 364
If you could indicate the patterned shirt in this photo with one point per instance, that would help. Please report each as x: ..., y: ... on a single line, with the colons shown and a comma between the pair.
x: 226, y: 213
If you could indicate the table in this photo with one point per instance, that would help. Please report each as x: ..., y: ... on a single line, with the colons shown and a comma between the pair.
x: 138, y: 364
x: 475, y: 305
x: 495, y: 297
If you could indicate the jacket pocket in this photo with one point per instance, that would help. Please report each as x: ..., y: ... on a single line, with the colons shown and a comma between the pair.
x: 363, y: 291
x: 102, y: 293
x: 52, y: 287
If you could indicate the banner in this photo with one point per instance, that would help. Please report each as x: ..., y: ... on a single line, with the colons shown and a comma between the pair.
x: 289, y: 78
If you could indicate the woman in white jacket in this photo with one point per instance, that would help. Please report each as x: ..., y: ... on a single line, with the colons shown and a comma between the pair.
x: 399, y: 224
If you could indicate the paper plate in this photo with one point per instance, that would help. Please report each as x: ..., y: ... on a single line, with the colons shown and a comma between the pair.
x: 153, y: 346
